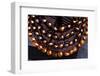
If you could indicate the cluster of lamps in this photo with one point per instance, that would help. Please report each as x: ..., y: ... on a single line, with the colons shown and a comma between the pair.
x: 37, y: 31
